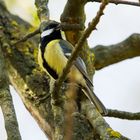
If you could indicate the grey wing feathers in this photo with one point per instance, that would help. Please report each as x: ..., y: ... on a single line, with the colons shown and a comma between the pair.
x: 66, y: 46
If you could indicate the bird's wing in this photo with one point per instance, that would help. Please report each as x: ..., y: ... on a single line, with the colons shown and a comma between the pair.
x: 79, y: 63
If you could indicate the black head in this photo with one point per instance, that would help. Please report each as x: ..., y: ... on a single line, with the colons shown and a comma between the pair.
x: 51, y: 32
x: 51, y: 28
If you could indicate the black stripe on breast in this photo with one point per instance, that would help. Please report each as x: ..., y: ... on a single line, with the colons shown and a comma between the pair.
x: 49, y: 69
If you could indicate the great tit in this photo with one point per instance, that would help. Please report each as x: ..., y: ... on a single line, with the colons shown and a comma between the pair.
x: 54, y: 51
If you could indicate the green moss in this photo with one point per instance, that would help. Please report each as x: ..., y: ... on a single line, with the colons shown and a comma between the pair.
x: 92, y: 57
x: 14, y: 23
x: 114, y: 133
x: 1, y: 27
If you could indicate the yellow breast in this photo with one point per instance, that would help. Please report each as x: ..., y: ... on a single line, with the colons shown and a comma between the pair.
x: 54, y: 56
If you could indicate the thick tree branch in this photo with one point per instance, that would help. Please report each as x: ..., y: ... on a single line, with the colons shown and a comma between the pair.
x: 6, y: 103
x: 107, y: 55
x: 121, y: 2
x: 123, y: 114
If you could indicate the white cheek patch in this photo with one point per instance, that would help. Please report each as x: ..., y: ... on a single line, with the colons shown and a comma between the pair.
x: 68, y: 54
x: 47, y: 32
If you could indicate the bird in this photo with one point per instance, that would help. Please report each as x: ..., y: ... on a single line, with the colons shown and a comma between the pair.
x: 53, y: 54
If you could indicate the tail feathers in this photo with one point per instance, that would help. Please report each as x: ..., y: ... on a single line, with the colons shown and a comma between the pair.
x: 95, y: 100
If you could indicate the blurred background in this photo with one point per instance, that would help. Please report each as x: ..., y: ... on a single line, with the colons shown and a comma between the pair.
x: 118, y: 86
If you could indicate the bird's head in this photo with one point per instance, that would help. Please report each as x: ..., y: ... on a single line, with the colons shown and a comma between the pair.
x: 52, y: 28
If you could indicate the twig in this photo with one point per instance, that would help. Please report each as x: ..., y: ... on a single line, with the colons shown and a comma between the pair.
x: 37, y: 31
x: 123, y: 114
x: 6, y: 104
x: 121, y: 2
x: 79, y: 45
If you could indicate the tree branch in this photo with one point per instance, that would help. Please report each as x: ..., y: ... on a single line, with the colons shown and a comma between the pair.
x: 6, y: 103
x: 121, y: 2
x: 69, y: 27
x: 123, y: 114
x: 107, y: 55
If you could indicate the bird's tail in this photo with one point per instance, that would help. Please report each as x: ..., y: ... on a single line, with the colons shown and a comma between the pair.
x: 95, y: 100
